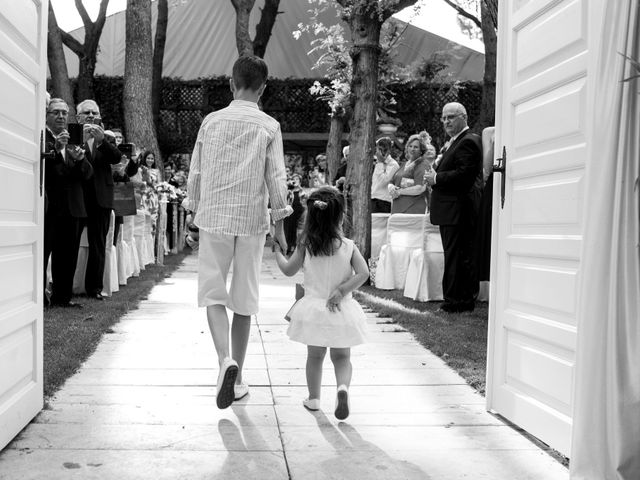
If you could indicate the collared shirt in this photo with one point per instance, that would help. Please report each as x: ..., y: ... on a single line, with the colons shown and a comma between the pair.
x: 237, y: 166
x: 382, y: 174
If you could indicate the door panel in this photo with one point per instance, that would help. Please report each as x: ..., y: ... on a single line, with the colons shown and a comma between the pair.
x: 23, y: 30
x: 542, y: 85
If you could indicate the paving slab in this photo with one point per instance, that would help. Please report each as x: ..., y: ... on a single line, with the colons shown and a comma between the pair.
x: 143, y: 407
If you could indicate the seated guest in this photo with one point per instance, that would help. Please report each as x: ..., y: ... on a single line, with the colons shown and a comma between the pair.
x: 408, y: 189
x: 383, y: 172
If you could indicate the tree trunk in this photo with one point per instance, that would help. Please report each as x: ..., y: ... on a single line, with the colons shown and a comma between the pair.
x: 488, y: 102
x: 334, y: 145
x: 243, y: 39
x: 60, y: 84
x: 265, y: 26
x: 138, y: 113
x: 365, y: 31
x: 158, y: 59
x: 85, y: 78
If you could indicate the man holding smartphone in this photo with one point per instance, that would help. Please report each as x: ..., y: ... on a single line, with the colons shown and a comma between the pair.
x: 65, y: 202
x: 98, y: 193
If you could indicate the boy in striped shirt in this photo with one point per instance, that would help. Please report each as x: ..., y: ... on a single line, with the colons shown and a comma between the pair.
x: 237, y: 167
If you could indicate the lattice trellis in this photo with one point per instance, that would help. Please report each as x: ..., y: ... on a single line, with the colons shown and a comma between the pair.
x: 186, y: 102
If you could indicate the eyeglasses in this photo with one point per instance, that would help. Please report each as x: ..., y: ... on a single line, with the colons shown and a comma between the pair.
x: 447, y: 118
x: 64, y: 113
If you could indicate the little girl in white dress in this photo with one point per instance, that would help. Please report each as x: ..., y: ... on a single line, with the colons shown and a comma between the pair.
x: 327, y: 316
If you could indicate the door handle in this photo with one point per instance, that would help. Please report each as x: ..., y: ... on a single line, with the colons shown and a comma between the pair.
x: 501, y: 167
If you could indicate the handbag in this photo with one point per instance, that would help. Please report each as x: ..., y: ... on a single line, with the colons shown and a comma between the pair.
x: 124, y: 199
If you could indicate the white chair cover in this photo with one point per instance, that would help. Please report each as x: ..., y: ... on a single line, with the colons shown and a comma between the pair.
x: 129, y: 239
x: 81, y: 264
x: 149, y: 239
x: 123, y: 258
x: 110, y: 277
x: 139, y: 236
x: 378, y: 232
x: 404, y: 235
x: 426, y: 266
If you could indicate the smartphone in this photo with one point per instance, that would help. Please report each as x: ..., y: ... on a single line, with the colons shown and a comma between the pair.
x: 127, y: 149
x: 75, y: 134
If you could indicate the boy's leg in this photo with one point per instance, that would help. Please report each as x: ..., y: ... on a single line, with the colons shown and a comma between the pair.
x: 219, y: 327
x: 341, y: 358
x: 244, y: 292
x: 240, y: 329
x: 315, y: 358
x: 214, y: 260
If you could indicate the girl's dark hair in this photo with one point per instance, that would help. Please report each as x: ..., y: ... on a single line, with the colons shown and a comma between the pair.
x: 143, y: 158
x: 323, y: 225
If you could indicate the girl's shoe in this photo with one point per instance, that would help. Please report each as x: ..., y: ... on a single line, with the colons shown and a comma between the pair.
x: 312, y: 404
x: 342, y: 403
x: 240, y: 390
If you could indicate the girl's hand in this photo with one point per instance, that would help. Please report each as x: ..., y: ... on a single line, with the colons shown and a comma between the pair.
x: 333, y: 302
x: 276, y: 247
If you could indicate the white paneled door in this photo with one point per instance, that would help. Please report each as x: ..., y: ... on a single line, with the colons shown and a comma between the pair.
x: 23, y: 48
x: 540, y: 120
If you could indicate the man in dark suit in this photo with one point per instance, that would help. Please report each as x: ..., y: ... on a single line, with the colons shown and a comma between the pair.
x: 98, y: 193
x: 65, y: 203
x: 456, y: 185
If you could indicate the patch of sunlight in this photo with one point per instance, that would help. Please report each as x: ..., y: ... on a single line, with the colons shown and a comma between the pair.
x: 385, y: 302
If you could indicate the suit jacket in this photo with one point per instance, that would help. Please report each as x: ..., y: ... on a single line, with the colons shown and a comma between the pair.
x: 98, y: 190
x: 455, y: 198
x: 63, y: 183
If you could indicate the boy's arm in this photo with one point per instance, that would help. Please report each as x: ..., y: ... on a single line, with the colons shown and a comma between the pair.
x: 276, y: 179
x: 193, y: 181
x: 290, y: 267
x: 361, y: 273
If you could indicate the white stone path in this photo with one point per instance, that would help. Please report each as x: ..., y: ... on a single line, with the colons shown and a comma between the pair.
x: 143, y: 407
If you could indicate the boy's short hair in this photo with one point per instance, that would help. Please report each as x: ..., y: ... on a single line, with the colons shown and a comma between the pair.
x: 249, y: 72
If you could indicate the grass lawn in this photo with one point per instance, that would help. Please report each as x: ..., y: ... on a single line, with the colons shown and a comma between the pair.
x: 460, y: 339
x: 72, y: 334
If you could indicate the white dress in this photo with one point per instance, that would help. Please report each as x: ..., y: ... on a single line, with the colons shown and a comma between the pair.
x: 311, y: 322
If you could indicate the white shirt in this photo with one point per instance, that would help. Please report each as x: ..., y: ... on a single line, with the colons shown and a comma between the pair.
x: 237, y: 166
x: 382, y: 174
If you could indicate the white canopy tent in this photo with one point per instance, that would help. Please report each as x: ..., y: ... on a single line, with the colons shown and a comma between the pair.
x: 201, y: 43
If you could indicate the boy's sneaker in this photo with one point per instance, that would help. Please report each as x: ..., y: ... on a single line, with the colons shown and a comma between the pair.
x: 342, y: 403
x: 226, y: 381
x: 240, y: 390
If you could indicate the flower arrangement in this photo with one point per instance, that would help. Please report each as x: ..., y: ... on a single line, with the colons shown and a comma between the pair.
x: 167, y: 190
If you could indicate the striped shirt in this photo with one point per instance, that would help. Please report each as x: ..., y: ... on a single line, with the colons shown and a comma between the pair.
x: 237, y: 166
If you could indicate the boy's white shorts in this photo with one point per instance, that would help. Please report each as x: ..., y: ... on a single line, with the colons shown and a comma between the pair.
x: 217, y: 251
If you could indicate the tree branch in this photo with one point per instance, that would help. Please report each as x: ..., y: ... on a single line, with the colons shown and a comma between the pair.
x: 464, y: 13
x: 75, y: 46
x: 401, y: 5
x: 83, y: 13
x: 102, y: 14
x: 265, y: 26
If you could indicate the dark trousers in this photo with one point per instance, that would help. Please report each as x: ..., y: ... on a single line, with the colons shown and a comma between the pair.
x: 61, y: 241
x: 380, y: 206
x: 460, y: 278
x: 97, y: 228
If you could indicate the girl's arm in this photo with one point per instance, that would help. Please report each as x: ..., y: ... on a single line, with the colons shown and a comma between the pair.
x: 293, y: 264
x: 361, y: 273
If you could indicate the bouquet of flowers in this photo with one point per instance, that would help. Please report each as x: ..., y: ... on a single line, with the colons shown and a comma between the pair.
x: 167, y: 190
